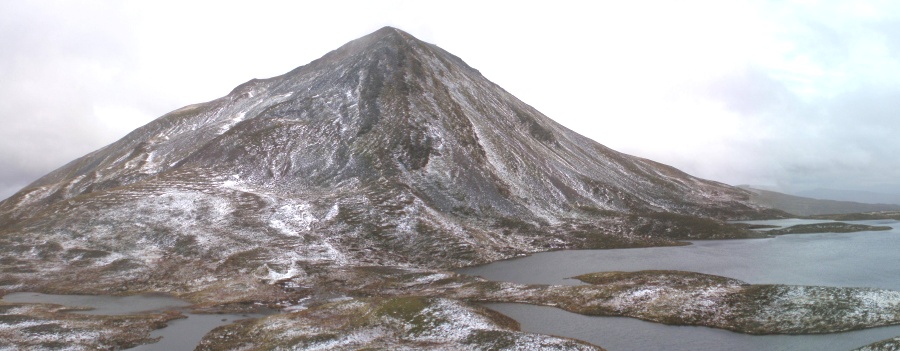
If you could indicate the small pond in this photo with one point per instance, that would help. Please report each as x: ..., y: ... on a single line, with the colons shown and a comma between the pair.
x: 180, y: 334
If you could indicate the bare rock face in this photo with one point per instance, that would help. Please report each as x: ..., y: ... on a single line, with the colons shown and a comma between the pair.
x: 386, y: 151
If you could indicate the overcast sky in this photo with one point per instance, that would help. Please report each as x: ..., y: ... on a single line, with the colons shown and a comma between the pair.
x: 794, y: 95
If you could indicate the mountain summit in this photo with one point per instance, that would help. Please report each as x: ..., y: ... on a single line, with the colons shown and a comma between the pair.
x: 387, y: 151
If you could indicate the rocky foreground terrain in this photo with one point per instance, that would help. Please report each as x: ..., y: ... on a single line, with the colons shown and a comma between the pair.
x: 345, y: 191
x: 401, y: 323
x: 404, y: 308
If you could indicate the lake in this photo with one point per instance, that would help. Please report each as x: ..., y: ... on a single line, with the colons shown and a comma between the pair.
x: 180, y: 334
x: 864, y: 259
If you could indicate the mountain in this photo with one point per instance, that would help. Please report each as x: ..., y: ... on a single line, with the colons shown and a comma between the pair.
x: 388, y: 151
x: 805, y: 206
x: 852, y: 195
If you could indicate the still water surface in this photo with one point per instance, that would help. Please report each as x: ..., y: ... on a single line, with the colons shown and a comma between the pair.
x: 180, y: 334
x: 864, y: 259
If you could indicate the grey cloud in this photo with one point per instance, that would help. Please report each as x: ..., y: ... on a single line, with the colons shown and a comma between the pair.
x: 14, y: 179
x: 53, y: 54
x: 890, y: 30
x: 844, y: 137
x: 864, y: 127
x: 846, y: 142
x: 822, y: 42
x: 751, y: 91
x: 870, y: 107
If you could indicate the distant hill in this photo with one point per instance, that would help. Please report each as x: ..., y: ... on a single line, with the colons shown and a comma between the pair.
x: 804, y: 206
x: 869, y: 197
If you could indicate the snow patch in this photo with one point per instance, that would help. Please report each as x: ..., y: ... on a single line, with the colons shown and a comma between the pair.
x: 232, y: 122
x: 290, y: 219
x: 149, y: 166
x: 333, y: 212
x: 275, y: 276
x: 458, y: 321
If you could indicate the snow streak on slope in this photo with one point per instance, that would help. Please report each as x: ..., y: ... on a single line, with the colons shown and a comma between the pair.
x: 386, y: 151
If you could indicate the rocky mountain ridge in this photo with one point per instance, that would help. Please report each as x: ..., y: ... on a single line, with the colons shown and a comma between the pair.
x: 388, y: 151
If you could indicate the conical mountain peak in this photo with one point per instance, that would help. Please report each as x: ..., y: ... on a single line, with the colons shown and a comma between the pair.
x: 389, y: 33
x: 386, y: 37
x: 391, y: 46
x: 387, y: 150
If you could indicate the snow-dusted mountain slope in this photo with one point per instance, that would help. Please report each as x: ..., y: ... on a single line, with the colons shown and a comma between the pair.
x: 386, y: 151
